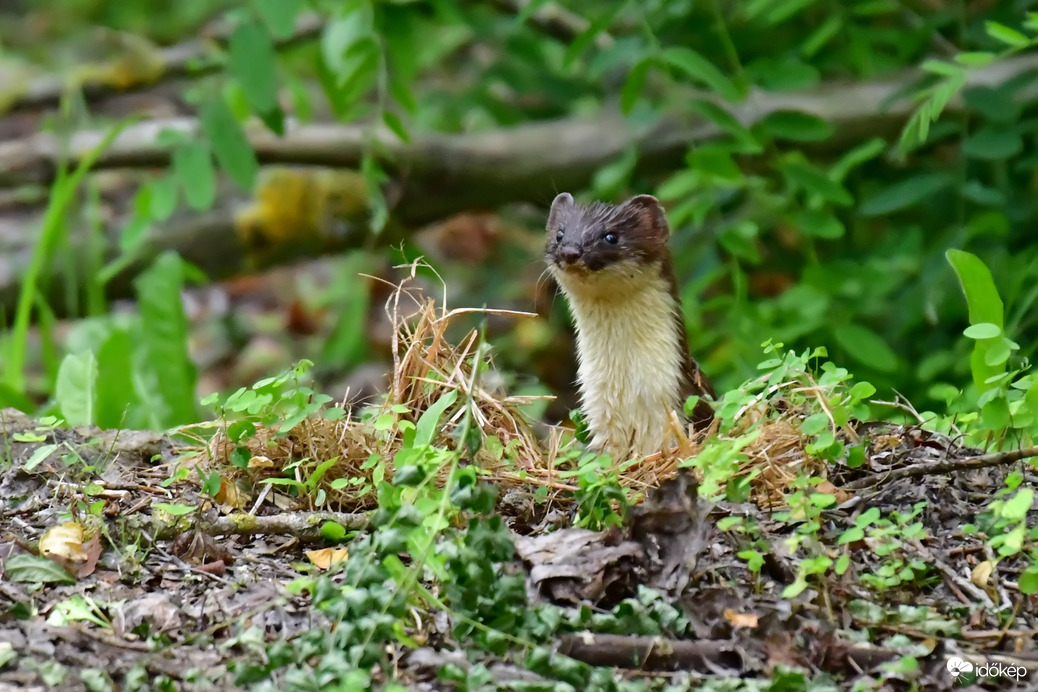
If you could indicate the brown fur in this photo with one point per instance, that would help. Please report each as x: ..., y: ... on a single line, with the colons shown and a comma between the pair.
x: 577, y: 251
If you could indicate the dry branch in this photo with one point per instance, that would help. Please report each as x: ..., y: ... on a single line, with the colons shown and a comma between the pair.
x: 510, y: 163
x: 306, y: 526
x: 950, y: 466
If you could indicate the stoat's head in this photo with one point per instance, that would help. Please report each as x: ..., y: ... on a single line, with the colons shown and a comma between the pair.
x: 584, y: 240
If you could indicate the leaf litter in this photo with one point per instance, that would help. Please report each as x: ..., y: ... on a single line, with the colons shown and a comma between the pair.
x: 183, y: 582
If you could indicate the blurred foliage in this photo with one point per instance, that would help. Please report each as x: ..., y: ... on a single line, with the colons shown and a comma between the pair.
x: 781, y: 230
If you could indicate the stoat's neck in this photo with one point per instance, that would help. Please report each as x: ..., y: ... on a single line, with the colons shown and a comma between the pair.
x: 631, y: 354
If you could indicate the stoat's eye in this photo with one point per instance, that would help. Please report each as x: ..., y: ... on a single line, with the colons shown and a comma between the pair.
x: 611, y: 238
x: 558, y: 235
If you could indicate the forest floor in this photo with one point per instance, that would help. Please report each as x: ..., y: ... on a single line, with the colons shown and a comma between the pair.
x: 881, y: 575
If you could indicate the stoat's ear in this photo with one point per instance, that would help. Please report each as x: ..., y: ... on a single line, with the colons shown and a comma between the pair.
x: 563, y: 201
x: 649, y: 213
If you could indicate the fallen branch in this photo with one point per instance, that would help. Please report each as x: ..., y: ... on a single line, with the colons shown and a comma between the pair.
x: 508, y: 164
x: 949, y: 466
x: 652, y: 653
x: 131, y: 73
x: 434, y: 176
x: 305, y: 526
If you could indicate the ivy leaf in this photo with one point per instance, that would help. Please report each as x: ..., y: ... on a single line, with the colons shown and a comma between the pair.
x: 254, y: 66
x: 229, y: 143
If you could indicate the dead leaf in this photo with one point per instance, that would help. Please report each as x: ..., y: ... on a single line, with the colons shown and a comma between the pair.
x: 981, y: 573
x: 64, y: 545
x: 324, y: 557
x: 229, y: 494
x: 748, y: 620
x: 830, y: 489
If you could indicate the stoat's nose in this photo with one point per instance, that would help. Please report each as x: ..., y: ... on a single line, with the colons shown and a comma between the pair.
x: 570, y: 254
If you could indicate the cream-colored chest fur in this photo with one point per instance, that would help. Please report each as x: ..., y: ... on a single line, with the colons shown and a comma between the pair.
x: 630, y: 361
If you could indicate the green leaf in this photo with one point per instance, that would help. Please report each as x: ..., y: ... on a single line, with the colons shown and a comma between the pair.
x: 254, y: 66
x: 814, y: 424
x: 176, y: 510
x: 860, y: 154
x: 425, y: 428
x: 1010, y: 37
x: 163, y: 338
x: 797, y: 127
x: 819, y: 223
x: 164, y: 193
x: 11, y: 397
x: 396, y: 125
x: 975, y: 59
x: 978, y: 286
x: 279, y: 15
x: 229, y: 143
x: 582, y: 41
x: 194, y: 169
x: 1017, y: 507
x: 701, y: 70
x: 906, y: 193
x: 116, y: 394
x: 632, y: 88
x: 985, y: 306
x: 1028, y: 581
x: 993, y: 143
x: 31, y: 569
x: 865, y: 346
x: 982, y: 330
x: 994, y: 104
x: 810, y: 179
x: 745, y: 140
x: 76, y: 388
x: 333, y: 531
x: 39, y: 456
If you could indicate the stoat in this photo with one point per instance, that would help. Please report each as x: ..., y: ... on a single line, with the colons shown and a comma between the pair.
x: 613, y: 263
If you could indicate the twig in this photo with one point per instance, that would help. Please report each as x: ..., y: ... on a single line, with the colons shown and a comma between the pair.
x: 978, y: 594
x: 930, y: 468
x: 305, y: 526
x: 555, y: 20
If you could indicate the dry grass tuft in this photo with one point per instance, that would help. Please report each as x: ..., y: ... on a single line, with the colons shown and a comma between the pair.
x: 427, y: 367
